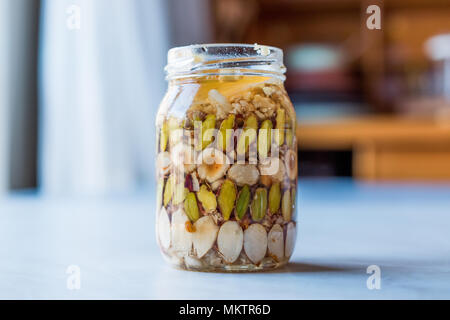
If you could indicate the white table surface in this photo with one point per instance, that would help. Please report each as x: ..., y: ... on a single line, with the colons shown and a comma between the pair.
x: 343, y: 228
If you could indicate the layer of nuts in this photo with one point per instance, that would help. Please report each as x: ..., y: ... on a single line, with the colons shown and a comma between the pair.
x: 227, y: 178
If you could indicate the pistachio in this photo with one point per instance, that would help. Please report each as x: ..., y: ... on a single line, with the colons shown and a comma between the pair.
x: 251, y: 123
x: 248, y: 135
x: 230, y: 240
x: 280, y: 122
x: 181, y: 238
x: 265, y: 138
x: 274, y: 198
x: 242, y: 202
x: 179, y: 193
x: 168, y: 191
x: 226, y: 199
x: 208, y: 126
x: 290, y: 160
x: 191, y: 207
x: 290, y: 239
x: 207, y: 198
x: 258, y: 207
x: 275, y: 243
x: 255, y: 242
x: 226, y: 133
x: 205, y: 235
x: 243, y: 174
x: 164, y: 136
x: 164, y: 229
x: 286, y: 205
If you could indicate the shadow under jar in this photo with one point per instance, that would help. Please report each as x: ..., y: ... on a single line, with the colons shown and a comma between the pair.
x: 226, y: 160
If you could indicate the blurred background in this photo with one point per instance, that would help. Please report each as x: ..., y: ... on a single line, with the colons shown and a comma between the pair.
x: 81, y: 80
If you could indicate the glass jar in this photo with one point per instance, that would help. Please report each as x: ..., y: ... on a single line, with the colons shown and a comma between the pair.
x: 226, y: 160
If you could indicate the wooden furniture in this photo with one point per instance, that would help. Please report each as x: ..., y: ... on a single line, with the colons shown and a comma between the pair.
x: 385, y: 147
x: 388, y: 64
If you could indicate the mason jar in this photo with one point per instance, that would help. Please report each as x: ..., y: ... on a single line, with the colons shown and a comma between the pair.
x: 226, y: 160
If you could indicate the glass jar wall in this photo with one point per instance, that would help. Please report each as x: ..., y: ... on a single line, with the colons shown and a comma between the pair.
x: 226, y: 160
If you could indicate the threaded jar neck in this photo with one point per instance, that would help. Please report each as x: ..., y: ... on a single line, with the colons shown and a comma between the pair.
x: 202, y: 60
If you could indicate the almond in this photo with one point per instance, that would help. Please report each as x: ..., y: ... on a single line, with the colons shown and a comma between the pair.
x: 230, y: 240
x: 275, y: 242
x: 181, y: 238
x: 205, y: 235
x: 164, y: 229
x: 291, y: 234
x: 255, y: 242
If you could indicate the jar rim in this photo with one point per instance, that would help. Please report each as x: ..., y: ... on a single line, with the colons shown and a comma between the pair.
x: 201, y: 60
